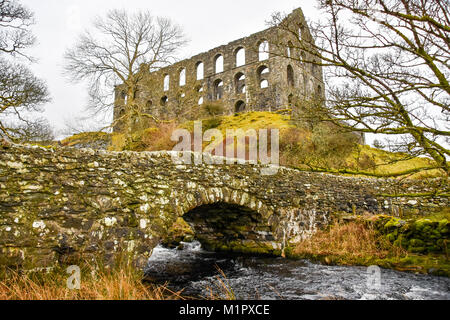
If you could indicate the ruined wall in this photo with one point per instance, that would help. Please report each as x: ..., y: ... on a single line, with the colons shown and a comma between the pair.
x: 66, y: 204
x: 185, y: 101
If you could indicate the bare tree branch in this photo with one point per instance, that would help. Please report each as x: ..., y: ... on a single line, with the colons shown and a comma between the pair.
x: 387, y: 69
x: 118, y: 51
x: 15, y: 23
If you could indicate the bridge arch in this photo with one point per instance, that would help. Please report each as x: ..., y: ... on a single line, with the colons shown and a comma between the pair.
x: 232, y: 220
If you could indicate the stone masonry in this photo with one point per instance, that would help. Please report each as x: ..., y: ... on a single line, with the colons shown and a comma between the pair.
x: 249, y: 74
x: 62, y: 205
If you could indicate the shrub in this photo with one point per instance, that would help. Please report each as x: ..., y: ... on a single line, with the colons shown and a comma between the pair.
x: 213, y: 109
x: 159, y: 137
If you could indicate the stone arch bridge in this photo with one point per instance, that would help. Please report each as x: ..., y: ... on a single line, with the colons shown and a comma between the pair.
x: 59, y: 205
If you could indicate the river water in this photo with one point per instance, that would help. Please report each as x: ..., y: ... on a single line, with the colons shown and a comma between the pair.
x: 196, y: 271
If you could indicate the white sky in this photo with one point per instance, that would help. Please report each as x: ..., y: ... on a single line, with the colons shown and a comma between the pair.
x: 207, y: 24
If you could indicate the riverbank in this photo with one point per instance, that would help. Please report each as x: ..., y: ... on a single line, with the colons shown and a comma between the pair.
x: 418, y: 246
x: 414, y: 246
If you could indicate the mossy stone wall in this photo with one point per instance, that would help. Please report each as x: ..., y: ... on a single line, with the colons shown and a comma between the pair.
x: 62, y: 205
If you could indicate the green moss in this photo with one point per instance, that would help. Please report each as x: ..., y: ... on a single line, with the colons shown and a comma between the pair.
x: 179, y: 232
x: 393, y: 223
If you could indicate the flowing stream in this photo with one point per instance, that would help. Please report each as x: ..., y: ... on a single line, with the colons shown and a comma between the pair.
x: 196, y: 271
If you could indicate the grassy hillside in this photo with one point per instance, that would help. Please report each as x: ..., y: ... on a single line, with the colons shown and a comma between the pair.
x: 94, y: 140
x: 320, y: 147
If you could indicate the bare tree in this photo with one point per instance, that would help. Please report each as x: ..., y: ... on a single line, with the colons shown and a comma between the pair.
x: 15, y: 22
x: 21, y: 93
x: 387, y: 68
x: 119, y: 51
x: 38, y: 130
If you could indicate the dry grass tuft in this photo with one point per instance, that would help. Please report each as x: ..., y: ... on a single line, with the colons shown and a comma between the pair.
x: 222, y: 289
x: 351, y: 241
x: 104, y: 284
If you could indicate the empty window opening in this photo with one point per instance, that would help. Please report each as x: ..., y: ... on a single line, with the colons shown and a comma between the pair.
x: 199, y: 88
x: 200, y: 71
x: 264, y: 50
x: 166, y: 82
x: 219, y: 63
x: 239, y: 82
x: 319, y: 90
x: 240, y: 57
x: 240, y: 106
x: 301, y: 33
x: 263, y: 73
x: 183, y: 77
x: 264, y: 84
x: 218, y: 89
x: 164, y: 101
x: 200, y: 101
x: 263, y: 70
x: 290, y: 76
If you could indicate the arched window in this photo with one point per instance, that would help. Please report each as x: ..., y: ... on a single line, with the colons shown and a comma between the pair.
x: 199, y: 88
x: 239, y: 106
x: 264, y: 84
x: 263, y: 70
x: 166, y: 82
x: 218, y: 89
x: 240, y: 57
x: 239, y: 82
x: 200, y: 71
x: 164, y: 101
x: 290, y: 76
x: 264, y: 50
x: 263, y: 73
x: 183, y: 77
x: 219, y: 63
x: 319, y: 90
x: 301, y: 32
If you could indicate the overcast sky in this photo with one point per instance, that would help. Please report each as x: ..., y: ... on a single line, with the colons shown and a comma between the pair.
x: 207, y: 24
